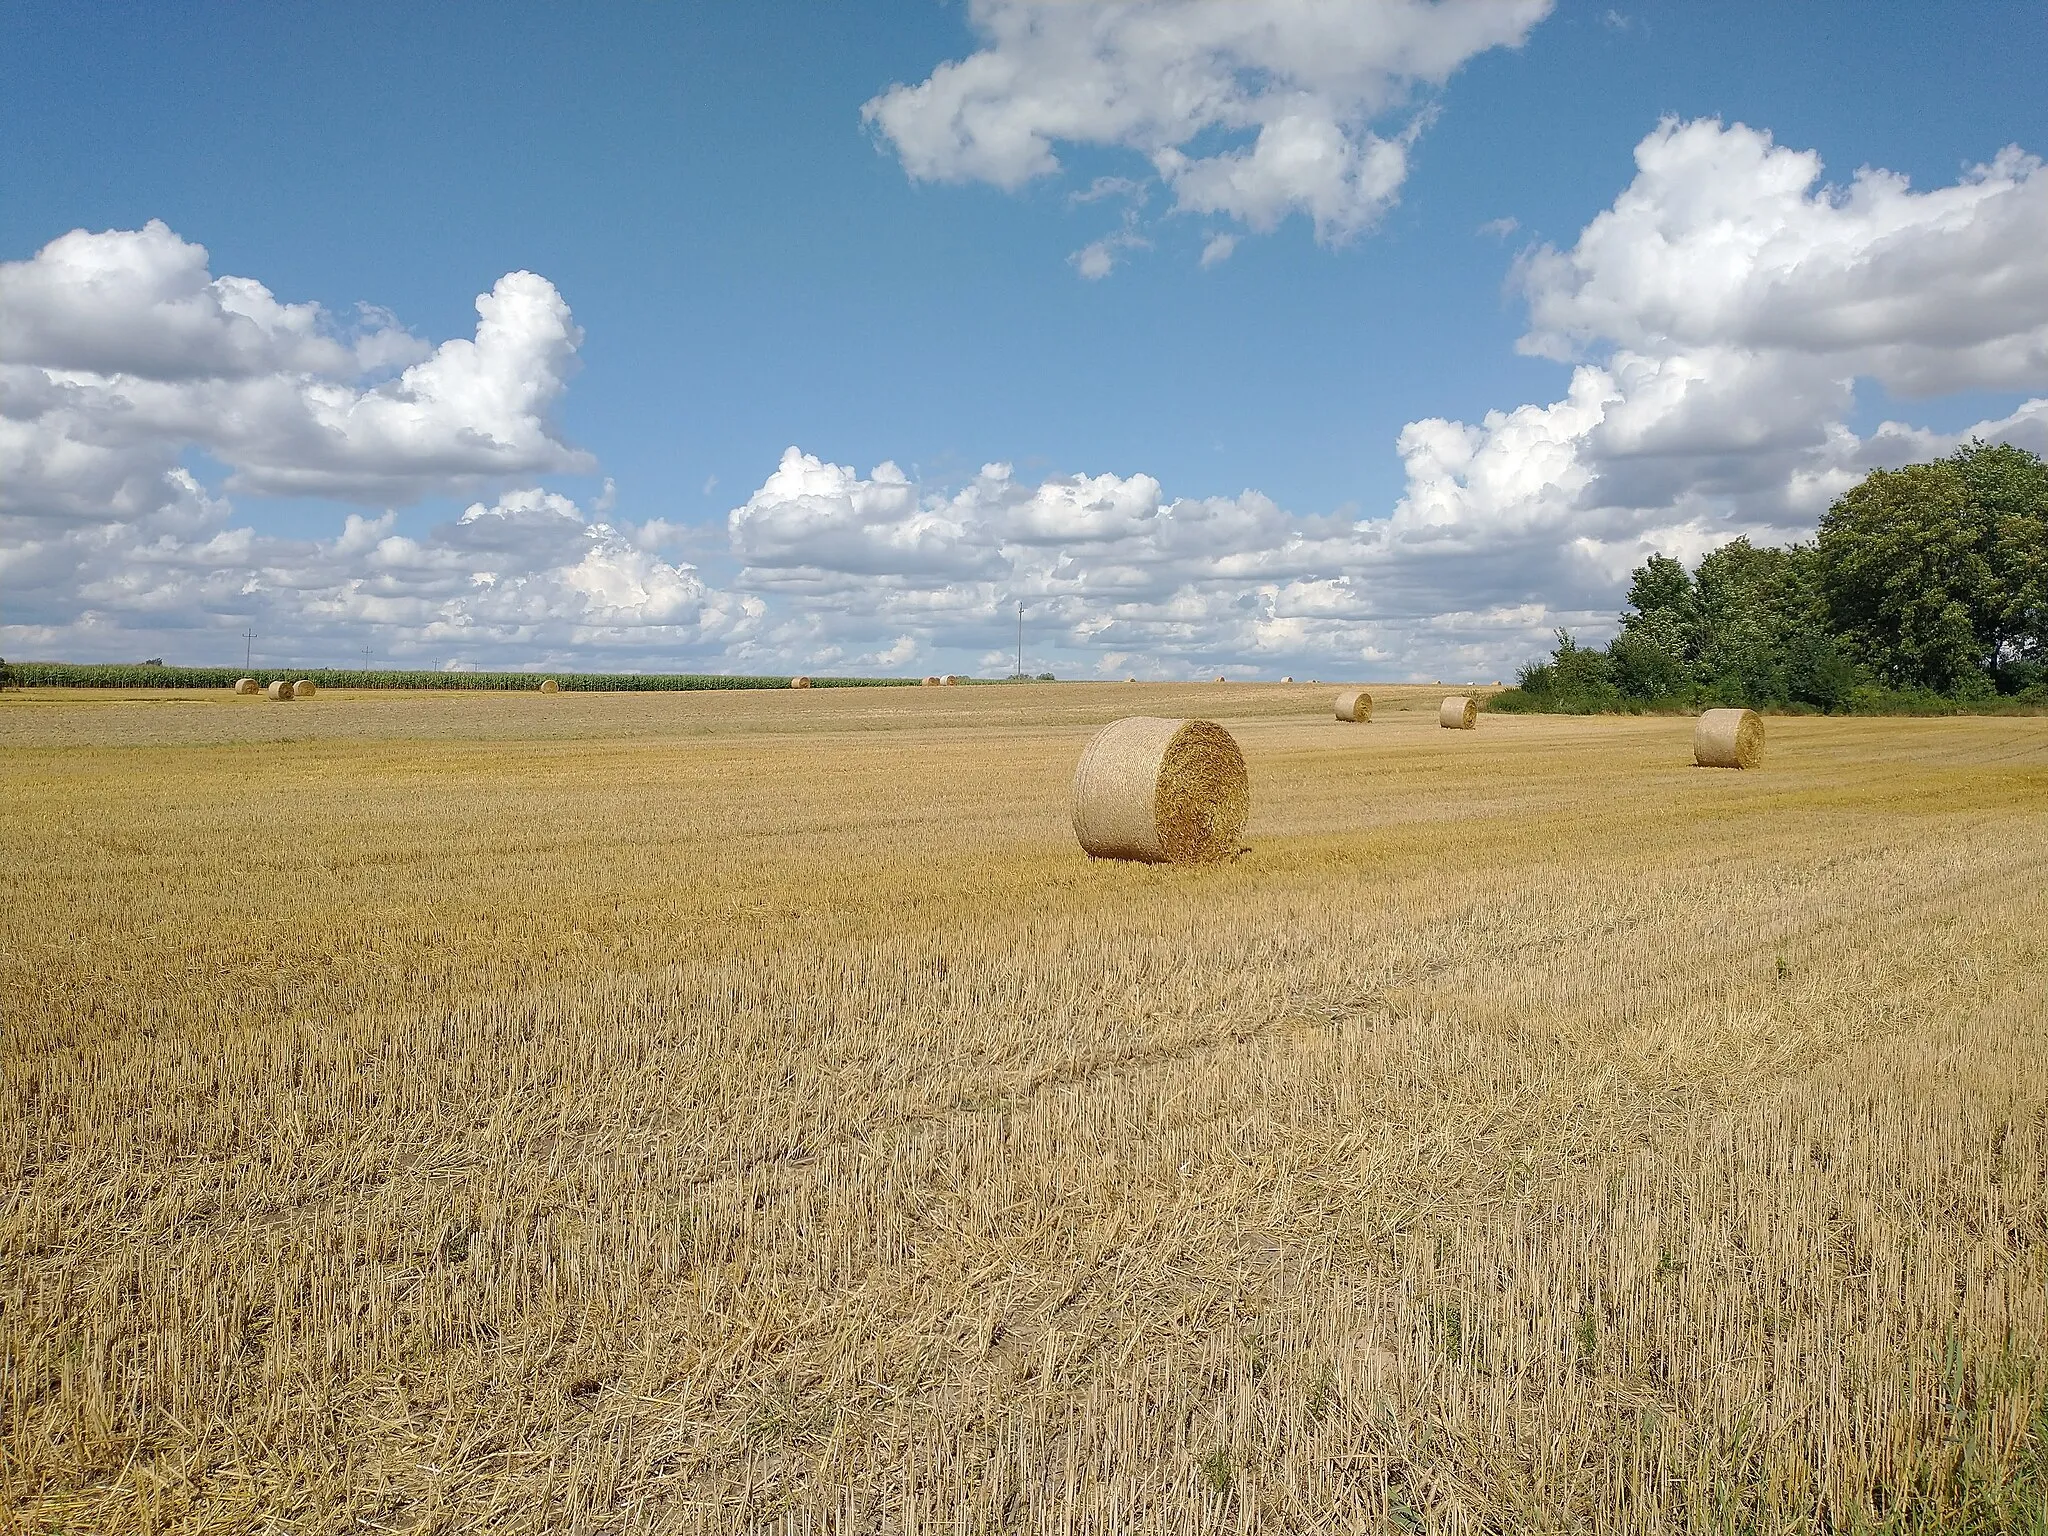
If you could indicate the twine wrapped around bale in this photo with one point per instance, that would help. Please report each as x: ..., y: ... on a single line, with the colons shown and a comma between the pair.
x: 1354, y: 705
x: 549, y: 685
x: 1161, y: 792
x: 304, y: 689
x: 799, y: 682
x: 279, y: 692
x: 1728, y: 738
x: 1459, y: 712
x: 248, y: 686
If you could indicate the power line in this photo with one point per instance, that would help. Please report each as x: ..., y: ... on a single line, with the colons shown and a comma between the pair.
x: 248, y: 649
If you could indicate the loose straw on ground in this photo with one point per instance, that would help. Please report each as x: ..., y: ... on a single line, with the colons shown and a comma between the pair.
x: 1728, y: 738
x: 248, y: 685
x: 1161, y: 792
x: 1458, y: 713
x: 1354, y: 705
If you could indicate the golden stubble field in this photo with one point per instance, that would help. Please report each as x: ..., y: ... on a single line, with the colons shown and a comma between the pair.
x: 752, y: 1111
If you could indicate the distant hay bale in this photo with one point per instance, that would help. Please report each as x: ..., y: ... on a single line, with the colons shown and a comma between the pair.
x: 248, y: 685
x: 1219, y: 677
x: 1728, y: 738
x: 1459, y: 712
x: 1354, y: 705
x: 799, y: 682
x: 279, y: 692
x: 1286, y: 679
x: 951, y: 679
x: 1161, y: 792
x: 549, y: 685
x: 1130, y: 679
x: 931, y: 682
x: 304, y: 689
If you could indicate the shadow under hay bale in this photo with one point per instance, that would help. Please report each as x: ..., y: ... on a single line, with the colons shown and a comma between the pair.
x: 1161, y: 792
x: 1354, y: 705
x: 1728, y: 738
x: 1458, y: 713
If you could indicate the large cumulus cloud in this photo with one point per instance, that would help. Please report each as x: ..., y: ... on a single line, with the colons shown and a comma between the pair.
x: 1292, y: 87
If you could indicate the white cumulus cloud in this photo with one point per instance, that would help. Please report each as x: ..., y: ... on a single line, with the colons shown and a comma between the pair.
x: 1294, y: 88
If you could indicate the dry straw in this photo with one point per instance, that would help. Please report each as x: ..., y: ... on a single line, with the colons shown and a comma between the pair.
x: 1161, y: 792
x: 1459, y: 712
x: 550, y: 686
x: 279, y: 691
x: 951, y: 679
x: 248, y: 685
x: 1354, y: 704
x: 303, y: 689
x: 1728, y: 738
x: 799, y: 682
x: 931, y: 682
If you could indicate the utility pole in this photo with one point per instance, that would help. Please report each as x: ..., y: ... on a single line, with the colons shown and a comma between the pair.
x: 1020, y: 637
x: 249, y: 649
x: 366, y: 658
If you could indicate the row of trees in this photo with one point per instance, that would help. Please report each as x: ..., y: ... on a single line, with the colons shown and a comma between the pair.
x: 1925, y: 585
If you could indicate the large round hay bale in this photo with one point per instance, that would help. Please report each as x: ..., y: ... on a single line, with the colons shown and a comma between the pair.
x: 248, y: 686
x: 1459, y: 712
x: 279, y: 692
x: 1728, y: 738
x: 931, y: 682
x: 1355, y: 705
x: 549, y: 685
x: 304, y: 689
x: 1161, y: 792
x: 799, y: 682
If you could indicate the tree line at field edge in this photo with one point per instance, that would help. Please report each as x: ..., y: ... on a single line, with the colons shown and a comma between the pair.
x: 1925, y: 590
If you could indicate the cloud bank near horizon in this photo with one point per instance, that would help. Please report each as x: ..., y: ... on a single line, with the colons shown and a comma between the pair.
x: 1716, y: 319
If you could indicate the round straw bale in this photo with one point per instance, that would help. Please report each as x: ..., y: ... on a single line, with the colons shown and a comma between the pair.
x: 303, y: 689
x: 1161, y: 792
x: 931, y: 682
x: 1458, y: 713
x: 951, y: 679
x: 799, y: 682
x: 248, y: 685
x: 1728, y: 738
x: 1354, y: 704
x: 1219, y: 677
x: 279, y: 691
x: 549, y: 685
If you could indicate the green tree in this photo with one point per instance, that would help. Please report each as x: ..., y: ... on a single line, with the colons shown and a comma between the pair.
x: 2008, y: 491
x: 1906, y: 566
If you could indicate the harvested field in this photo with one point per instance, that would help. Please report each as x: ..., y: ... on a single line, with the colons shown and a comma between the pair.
x: 717, y: 1111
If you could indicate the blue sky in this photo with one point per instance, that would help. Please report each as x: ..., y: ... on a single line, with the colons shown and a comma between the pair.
x: 752, y: 265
